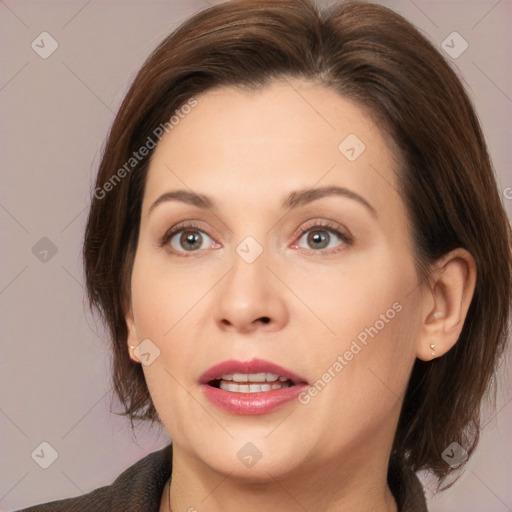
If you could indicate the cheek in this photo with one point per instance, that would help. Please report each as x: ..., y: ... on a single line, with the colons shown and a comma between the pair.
x: 163, y: 303
x: 161, y: 317
x: 372, y: 313
x: 363, y: 298
x: 360, y: 377
x: 161, y: 296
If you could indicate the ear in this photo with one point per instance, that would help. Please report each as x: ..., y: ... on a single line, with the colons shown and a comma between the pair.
x: 132, y: 340
x: 452, y: 285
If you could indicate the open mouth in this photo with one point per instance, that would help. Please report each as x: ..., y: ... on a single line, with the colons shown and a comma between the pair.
x: 250, y: 387
x: 250, y: 382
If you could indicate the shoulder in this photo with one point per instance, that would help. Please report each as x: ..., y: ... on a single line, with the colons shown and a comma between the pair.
x: 138, y: 488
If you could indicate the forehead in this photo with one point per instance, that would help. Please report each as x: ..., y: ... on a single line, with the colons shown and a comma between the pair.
x: 250, y: 145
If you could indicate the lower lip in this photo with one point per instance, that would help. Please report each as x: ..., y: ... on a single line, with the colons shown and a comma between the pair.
x: 261, y: 402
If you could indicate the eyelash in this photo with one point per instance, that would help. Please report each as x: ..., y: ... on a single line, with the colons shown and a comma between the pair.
x: 331, y: 228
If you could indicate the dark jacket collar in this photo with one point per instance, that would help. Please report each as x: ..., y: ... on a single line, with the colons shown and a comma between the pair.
x: 140, y: 488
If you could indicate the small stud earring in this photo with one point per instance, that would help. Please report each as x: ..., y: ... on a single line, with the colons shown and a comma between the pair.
x: 433, y: 347
x: 437, y: 314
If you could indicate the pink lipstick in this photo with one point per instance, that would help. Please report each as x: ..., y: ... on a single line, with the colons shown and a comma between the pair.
x: 250, y: 387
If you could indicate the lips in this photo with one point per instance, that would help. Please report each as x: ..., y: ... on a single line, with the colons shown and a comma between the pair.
x: 237, y: 370
x: 250, y: 387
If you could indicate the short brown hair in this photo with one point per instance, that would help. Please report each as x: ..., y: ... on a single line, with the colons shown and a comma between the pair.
x: 373, y: 56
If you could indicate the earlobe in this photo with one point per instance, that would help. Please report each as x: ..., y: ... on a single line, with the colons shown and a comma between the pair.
x: 452, y: 286
x: 133, y: 357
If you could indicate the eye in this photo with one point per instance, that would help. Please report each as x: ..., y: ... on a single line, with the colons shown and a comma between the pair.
x: 188, y: 238
x: 323, y: 238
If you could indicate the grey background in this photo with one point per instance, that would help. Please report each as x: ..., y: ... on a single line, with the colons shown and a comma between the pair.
x: 55, y: 114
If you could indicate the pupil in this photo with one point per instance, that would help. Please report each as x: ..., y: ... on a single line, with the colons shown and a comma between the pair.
x: 193, y: 238
x: 319, y: 239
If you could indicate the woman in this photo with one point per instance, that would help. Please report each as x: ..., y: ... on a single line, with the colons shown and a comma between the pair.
x: 298, y: 246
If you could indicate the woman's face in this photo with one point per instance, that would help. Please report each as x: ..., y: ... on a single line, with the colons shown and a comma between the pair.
x: 301, y: 259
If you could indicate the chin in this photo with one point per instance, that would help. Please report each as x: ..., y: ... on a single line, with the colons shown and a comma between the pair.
x: 251, y: 454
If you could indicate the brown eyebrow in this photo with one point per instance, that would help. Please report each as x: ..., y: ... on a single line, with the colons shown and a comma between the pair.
x: 302, y: 197
x: 184, y: 196
x: 295, y: 199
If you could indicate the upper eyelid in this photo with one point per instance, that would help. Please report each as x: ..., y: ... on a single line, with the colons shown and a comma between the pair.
x: 180, y: 227
x: 327, y: 225
x: 330, y: 226
x: 342, y: 233
x: 315, y: 224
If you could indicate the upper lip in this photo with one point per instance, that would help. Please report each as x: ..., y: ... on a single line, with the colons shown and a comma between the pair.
x: 252, y: 366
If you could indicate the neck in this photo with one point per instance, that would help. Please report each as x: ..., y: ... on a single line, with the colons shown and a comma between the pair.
x: 361, y: 486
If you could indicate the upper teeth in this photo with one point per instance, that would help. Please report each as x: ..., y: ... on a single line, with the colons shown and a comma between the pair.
x: 253, y: 377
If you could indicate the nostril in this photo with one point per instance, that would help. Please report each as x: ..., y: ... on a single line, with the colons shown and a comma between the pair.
x: 265, y: 319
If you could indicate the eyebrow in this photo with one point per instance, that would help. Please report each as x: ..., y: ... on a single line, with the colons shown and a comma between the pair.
x: 295, y: 199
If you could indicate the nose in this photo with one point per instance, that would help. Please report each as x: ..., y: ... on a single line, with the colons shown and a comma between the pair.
x: 251, y: 298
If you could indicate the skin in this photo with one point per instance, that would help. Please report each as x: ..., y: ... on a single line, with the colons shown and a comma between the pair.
x: 248, y: 150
